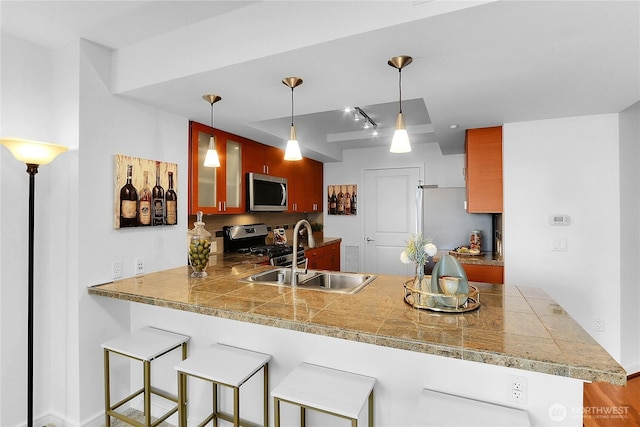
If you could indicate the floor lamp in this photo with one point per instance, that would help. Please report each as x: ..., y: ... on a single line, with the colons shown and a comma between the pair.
x: 34, y: 154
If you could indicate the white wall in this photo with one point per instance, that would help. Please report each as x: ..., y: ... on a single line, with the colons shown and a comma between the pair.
x: 110, y: 125
x: 445, y: 171
x: 63, y: 96
x: 567, y: 166
x: 630, y: 236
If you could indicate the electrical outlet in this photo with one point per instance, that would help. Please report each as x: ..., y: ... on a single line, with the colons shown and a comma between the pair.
x: 599, y: 324
x: 214, y: 247
x: 139, y: 266
x: 117, y: 270
x: 518, y: 389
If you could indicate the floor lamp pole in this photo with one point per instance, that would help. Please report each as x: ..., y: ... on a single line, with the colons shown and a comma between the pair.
x: 32, y: 170
x: 34, y: 154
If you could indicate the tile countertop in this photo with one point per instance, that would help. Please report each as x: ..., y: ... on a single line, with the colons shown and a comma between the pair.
x: 485, y: 258
x: 515, y: 326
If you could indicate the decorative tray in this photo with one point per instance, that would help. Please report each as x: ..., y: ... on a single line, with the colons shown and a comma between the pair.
x: 465, y: 253
x: 454, y: 303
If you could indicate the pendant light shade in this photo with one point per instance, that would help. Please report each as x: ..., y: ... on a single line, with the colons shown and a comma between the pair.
x: 211, y: 160
x: 292, y: 151
x: 400, y: 142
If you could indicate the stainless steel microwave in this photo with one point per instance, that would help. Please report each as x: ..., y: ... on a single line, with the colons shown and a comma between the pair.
x: 266, y: 193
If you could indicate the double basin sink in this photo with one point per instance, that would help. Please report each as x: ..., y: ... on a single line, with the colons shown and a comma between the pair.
x: 321, y: 280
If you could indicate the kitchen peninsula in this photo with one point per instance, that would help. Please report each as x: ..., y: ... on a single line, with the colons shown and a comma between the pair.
x: 517, y: 331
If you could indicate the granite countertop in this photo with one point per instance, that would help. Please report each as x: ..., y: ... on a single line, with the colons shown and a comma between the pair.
x: 485, y: 258
x: 515, y: 326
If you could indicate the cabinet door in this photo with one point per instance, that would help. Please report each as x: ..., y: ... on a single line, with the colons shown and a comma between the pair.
x: 264, y: 159
x: 484, y: 273
x: 204, y: 182
x: 333, y: 254
x: 483, y: 149
x: 234, y: 178
x: 315, y: 257
x: 215, y: 190
x: 305, y: 185
x: 314, y: 199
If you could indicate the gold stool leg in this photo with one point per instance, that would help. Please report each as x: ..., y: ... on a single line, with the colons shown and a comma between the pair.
x: 215, y: 405
x: 303, y: 417
x: 182, y: 400
x: 107, y: 389
x: 371, y: 409
x: 147, y: 392
x: 236, y: 406
x: 266, y: 394
x: 276, y: 411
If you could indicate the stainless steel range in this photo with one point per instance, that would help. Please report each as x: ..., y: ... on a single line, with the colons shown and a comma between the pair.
x: 251, y: 239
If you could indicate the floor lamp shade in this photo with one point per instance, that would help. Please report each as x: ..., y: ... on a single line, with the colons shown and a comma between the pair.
x: 34, y: 154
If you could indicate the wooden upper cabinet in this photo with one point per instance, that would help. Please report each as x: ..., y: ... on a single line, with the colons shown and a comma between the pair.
x: 215, y: 190
x: 305, y: 178
x: 223, y: 190
x: 264, y: 159
x: 483, y: 165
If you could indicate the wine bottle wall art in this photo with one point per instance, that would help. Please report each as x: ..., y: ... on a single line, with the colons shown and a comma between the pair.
x: 145, y: 192
x: 342, y: 199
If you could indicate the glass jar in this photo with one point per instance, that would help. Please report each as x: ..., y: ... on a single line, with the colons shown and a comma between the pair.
x: 475, y: 240
x: 199, y: 241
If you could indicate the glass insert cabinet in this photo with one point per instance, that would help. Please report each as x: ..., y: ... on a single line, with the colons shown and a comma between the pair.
x: 215, y: 190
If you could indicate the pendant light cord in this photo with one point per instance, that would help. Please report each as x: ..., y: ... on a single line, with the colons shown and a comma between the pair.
x: 212, y: 119
x: 400, y: 87
x: 291, y: 106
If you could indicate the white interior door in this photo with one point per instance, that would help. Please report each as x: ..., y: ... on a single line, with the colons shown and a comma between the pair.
x: 389, y: 217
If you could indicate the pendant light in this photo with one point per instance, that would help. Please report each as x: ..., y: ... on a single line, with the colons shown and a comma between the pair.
x: 212, y: 160
x: 292, y: 151
x: 400, y: 142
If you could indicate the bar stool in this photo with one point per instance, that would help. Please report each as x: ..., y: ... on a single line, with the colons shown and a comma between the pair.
x: 144, y: 345
x: 331, y: 391
x: 227, y: 366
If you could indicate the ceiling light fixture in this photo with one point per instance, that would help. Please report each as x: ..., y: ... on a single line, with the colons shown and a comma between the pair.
x: 400, y: 142
x: 292, y: 151
x: 368, y: 122
x: 212, y: 160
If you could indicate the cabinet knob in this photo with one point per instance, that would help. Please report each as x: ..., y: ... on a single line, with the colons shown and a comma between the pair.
x: 370, y: 240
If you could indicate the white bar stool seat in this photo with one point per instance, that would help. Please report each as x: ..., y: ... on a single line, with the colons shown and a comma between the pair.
x: 222, y: 365
x: 144, y: 345
x: 327, y: 390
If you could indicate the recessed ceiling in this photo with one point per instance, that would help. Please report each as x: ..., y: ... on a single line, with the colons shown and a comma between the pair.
x: 476, y: 63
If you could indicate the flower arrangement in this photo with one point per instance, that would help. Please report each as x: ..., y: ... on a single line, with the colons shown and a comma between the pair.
x: 419, y: 249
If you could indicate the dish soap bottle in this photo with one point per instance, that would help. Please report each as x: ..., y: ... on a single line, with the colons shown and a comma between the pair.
x: 199, y: 247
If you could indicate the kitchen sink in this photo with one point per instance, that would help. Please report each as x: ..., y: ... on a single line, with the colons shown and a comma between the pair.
x: 320, y: 280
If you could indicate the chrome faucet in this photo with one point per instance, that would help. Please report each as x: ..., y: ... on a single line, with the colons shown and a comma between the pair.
x: 312, y: 244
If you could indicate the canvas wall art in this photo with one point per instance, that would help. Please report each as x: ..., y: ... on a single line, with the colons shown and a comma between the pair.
x: 144, y: 192
x: 342, y: 199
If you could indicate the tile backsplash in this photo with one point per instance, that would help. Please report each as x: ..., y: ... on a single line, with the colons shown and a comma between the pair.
x: 214, y: 223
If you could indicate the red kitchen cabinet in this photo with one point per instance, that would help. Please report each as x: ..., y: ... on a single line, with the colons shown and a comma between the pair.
x: 483, y: 170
